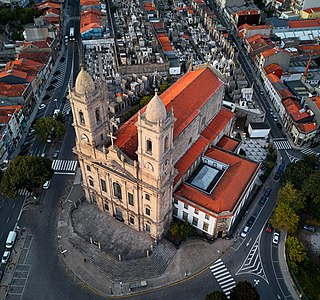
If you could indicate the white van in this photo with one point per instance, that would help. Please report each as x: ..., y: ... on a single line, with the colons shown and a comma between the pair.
x: 11, y: 239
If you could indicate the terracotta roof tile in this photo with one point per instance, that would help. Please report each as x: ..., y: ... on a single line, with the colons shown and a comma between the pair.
x: 41, y: 57
x: 229, y: 189
x: 12, y: 90
x: 293, y: 108
x: 228, y: 143
x: 186, y: 96
x: 274, y: 68
x: 304, y: 23
x: 307, y: 127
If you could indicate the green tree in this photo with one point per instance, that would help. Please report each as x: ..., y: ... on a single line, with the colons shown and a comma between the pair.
x: 285, y: 218
x: 293, y: 197
x: 311, y: 188
x: 185, y: 229
x: 49, y: 127
x: 25, y: 172
x: 145, y: 100
x: 174, y: 229
x: 244, y: 291
x: 296, y: 252
x: 216, y: 295
x: 164, y: 86
x: 60, y: 117
x: 297, y: 173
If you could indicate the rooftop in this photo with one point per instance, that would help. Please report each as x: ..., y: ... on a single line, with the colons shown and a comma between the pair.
x: 230, y: 187
x: 186, y: 97
x: 228, y: 143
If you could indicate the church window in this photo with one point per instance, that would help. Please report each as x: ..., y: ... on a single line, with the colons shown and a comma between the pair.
x: 117, y: 190
x: 131, y: 219
x: 81, y: 117
x: 88, y: 168
x: 103, y: 185
x: 98, y: 116
x: 205, y: 226
x: 130, y: 199
x: 166, y: 144
x: 184, y: 216
x: 148, y: 211
x: 175, y: 211
x: 91, y: 182
x: 149, y: 166
x: 147, y: 197
x: 149, y: 146
x: 106, y: 206
x: 84, y: 138
x: 148, y: 227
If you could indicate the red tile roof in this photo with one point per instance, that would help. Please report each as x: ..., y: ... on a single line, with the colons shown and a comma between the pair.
x: 164, y: 41
x: 186, y: 96
x: 12, y: 90
x: 228, y: 143
x: 6, y: 113
x: 316, y: 101
x: 90, y: 26
x: 89, y: 2
x: 311, y: 10
x: 48, y: 4
x: 232, y: 185
x: 41, y: 57
x: 294, y: 108
x: 307, y: 127
x: 14, y: 73
x: 274, y: 69
x: 246, y: 12
x: 207, y: 136
x: 304, y: 23
x: 273, y: 78
x: 29, y: 66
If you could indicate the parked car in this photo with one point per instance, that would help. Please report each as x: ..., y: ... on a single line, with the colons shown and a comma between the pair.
x: 275, y: 118
x: 57, y: 72
x: 267, y: 192
x: 279, y: 126
x: 268, y: 228
x: 275, y: 239
x: 251, y: 221
x: 56, y: 153
x: 245, y: 231
x: 46, y: 185
x: 277, y: 175
x: 262, y: 201
x: 31, y: 131
x: 5, y: 257
x: 42, y: 106
x: 62, y: 59
x: 46, y: 97
x: 309, y: 228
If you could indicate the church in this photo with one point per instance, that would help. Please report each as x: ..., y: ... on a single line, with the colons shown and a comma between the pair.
x: 172, y: 158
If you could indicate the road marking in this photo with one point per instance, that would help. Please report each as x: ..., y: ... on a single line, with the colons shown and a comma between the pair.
x: 8, y: 219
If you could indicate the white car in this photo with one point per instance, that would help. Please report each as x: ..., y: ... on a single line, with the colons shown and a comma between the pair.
x: 245, y: 231
x: 275, y: 239
x: 46, y: 185
x: 5, y: 257
x: 42, y: 106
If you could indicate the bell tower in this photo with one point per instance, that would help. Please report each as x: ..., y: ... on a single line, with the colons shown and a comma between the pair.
x: 155, y: 147
x: 90, y: 114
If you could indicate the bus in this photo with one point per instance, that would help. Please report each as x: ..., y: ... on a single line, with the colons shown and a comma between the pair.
x: 71, y: 35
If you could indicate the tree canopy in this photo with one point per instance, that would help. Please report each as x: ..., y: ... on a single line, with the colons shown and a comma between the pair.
x: 25, y: 172
x: 296, y: 252
x: 244, y: 290
x: 284, y: 217
x: 49, y: 128
x: 216, y: 295
x: 311, y: 188
x: 292, y: 197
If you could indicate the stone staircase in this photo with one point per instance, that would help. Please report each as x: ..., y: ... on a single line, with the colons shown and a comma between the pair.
x: 131, y: 269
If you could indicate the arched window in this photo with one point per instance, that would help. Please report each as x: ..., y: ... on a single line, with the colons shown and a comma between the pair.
x: 98, y: 116
x: 81, y: 117
x: 117, y: 190
x: 149, y: 146
x: 84, y: 138
x: 166, y: 144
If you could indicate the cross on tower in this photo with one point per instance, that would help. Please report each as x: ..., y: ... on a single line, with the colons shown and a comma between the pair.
x: 112, y: 137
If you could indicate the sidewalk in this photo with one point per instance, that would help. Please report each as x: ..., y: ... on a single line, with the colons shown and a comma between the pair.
x: 103, y: 272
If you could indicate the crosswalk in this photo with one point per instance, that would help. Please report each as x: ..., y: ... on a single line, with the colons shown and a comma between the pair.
x: 60, y: 166
x: 66, y: 108
x: 24, y: 192
x: 282, y: 144
x: 309, y: 151
x: 223, y: 277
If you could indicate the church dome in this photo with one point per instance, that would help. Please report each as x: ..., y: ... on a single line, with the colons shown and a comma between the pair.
x: 84, y: 83
x: 156, y: 110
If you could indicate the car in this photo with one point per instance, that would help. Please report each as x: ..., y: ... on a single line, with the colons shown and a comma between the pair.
x: 270, y: 110
x: 5, y: 257
x: 309, y: 228
x: 62, y: 59
x: 282, y: 167
x: 31, y: 131
x: 250, y: 221
x: 26, y: 144
x: 269, y: 228
x: 43, y: 154
x: 42, y: 106
x: 57, y: 72
x: 279, y: 126
x: 50, y: 88
x: 53, y: 81
x: 262, y: 201
x: 46, y: 97
x: 267, y: 192
x: 277, y: 175
x: 275, y: 239
x: 46, y: 185
x: 275, y: 118
x: 56, y: 153
x: 245, y: 231
x: 49, y: 140
x: 261, y: 92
